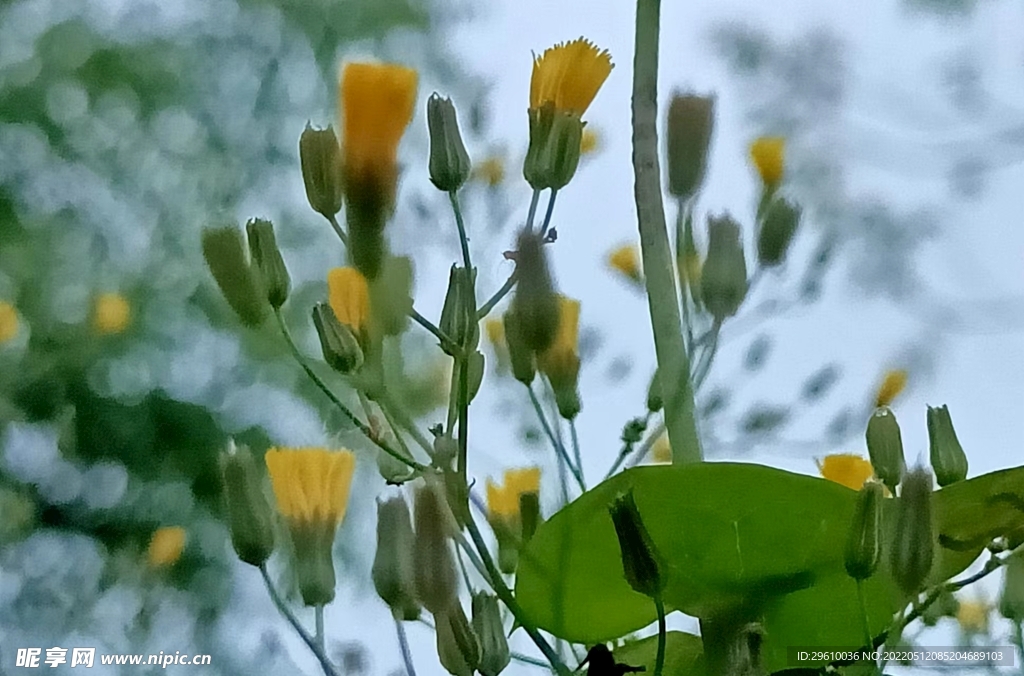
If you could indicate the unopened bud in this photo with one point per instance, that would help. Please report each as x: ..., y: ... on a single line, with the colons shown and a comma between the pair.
x: 913, y: 546
x: 863, y: 542
x: 249, y: 515
x: 691, y: 121
x: 521, y: 357
x: 225, y: 255
x: 529, y: 515
x: 640, y: 562
x: 948, y: 458
x: 1011, y: 603
x: 494, y: 651
x: 267, y: 261
x: 554, y: 151
x: 449, y: 162
x: 436, y: 581
x: 475, y: 367
x: 320, y: 157
x: 885, y: 447
x: 777, y: 229
x: 393, y: 565
x: 458, y: 321
x: 724, y: 273
x: 457, y: 645
x: 339, y: 345
x: 535, y: 303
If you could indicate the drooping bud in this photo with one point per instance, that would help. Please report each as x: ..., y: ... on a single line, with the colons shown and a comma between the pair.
x: 249, y: 514
x: 449, y: 161
x: 640, y: 559
x: 554, y: 151
x: 393, y: 566
x: 948, y: 458
x: 339, y: 345
x: 320, y: 157
x: 391, y: 295
x: 724, y: 273
x: 521, y: 357
x: 1011, y: 602
x: 777, y: 229
x: 458, y: 322
x: 494, y: 651
x: 885, y: 447
x: 691, y: 121
x: 913, y: 546
x: 863, y: 542
x: 436, y: 581
x: 267, y: 261
x: 654, y: 397
x: 225, y: 255
x: 535, y: 303
x: 457, y: 644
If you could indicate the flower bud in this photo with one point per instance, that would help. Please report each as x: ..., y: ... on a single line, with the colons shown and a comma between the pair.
x: 724, y: 274
x: 863, y: 543
x: 249, y: 515
x: 436, y: 582
x: 691, y: 121
x: 521, y: 357
x: 640, y: 559
x: 913, y: 546
x: 392, y: 470
x: 225, y: 255
x: 1011, y: 603
x: 777, y: 229
x: 267, y: 261
x: 529, y: 515
x: 457, y: 321
x: 339, y: 345
x: 494, y: 651
x: 654, y: 397
x: 314, y: 561
x: 885, y: 447
x: 391, y: 295
x: 449, y: 161
x: 320, y: 157
x: 475, y: 372
x: 948, y: 458
x: 535, y: 302
x: 554, y: 151
x: 393, y: 566
x: 457, y: 645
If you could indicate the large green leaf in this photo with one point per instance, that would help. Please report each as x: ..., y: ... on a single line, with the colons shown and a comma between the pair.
x: 684, y: 654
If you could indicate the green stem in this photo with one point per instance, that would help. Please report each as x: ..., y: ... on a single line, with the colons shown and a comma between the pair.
x: 453, y: 197
x: 659, y: 273
x: 547, y: 214
x: 486, y: 308
x: 869, y: 642
x: 394, y: 414
x: 534, y: 199
x: 310, y: 641
x: 403, y: 646
x: 640, y: 450
x: 549, y: 432
x: 659, y: 660
x: 532, y: 661
x: 318, y: 611
x: 339, y: 230
x: 577, y: 456
x: 441, y: 336
x: 707, y: 357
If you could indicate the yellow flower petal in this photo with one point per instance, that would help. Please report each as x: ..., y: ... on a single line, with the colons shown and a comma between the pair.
x: 111, y: 314
x: 349, y: 297
x: 846, y: 469
x: 166, y: 546
x: 311, y: 484
x: 563, y: 355
x: 503, y: 500
x: 626, y: 260
x: 893, y: 383
x: 768, y: 154
x: 491, y: 170
x: 973, y: 616
x: 8, y: 322
x: 569, y: 76
x: 590, y: 142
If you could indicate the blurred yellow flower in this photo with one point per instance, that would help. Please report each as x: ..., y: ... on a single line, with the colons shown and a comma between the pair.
x: 561, y: 362
x: 349, y: 296
x: 973, y: 616
x: 494, y: 327
x: 768, y: 154
x: 846, y: 469
x: 166, y: 546
x: 569, y: 76
x: 491, y: 170
x: 892, y: 384
x: 626, y: 260
x: 311, y: 484
x: 111, y: 314
x: 590, y: 142
x: 8, y: 322
x: 503, y: 500
x: 661, y: 452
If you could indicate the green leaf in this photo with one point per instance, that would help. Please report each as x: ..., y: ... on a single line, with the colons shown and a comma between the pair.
x: 684, y: 654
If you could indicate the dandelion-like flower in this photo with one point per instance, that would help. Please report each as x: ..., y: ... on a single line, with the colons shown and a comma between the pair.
x: 768, y: 154
x: 846, y: 469
x: 8, y: 322
x: 166, y: 546
x: 111, y: 314
x: 892, y: 385
x: 349, y: 296
x: 503, y: 500
x: 626, y: 261
x: 569, y: 76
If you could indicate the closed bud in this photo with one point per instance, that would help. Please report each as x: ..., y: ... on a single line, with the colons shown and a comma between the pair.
x: 314, y: 561
x: 691, y: 121
x: 554, y: 151
x: 225, y: 255
x: 320, y: 157
x: 948, y: 458
x: 340, y: 346
x: 521, y: 357
x: 913, y: 546
x: 724, y: 273
x: 654, y: 398
x: 475, y: 372
x: 393, y: 566
x: 457, y: 644
x: 885, y: 447
x: 436, y: 582
x: 391, y: 295
x: 535, y: 303
x: 267, y: 261
x: 249, y: 515
x: 449, y: 162
x: 529, y: 515
x: 1011, y: 603
x: 458, y: 322
x: 567, y: 400
x: 780, y: 222
x: 640, y: 559
x: 863, y: 542
x: 494, y: 651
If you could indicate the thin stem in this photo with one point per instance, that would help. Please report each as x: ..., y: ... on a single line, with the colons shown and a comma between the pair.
x: 339, y: 230
x: 659, y: 273
x: 465, y: 546
x: 441, y: 336
x: 486, y: 308
x: 318, y: 611
x: 639, y: 450
x: 465, y: 573
x: 577, y: 456
x: 703, y: 368
x: 547, y: 214
x: 659, y: 660
x: 394, y: 414
x: 403, y: 646
x: 311, y: 642
x: 463, y: 470
x: 559, y: 448
x: 453, y: 197
x: 532, y: 661
x: 534, y: 199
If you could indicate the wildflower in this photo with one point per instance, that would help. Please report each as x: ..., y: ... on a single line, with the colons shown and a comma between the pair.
x: 490, y: 630
x: 349, y: 297
x: 780, y: 222
x: 338, y: 344
x: 267, y: 262
x: 641, y: 563
x: 846, y: 469
x: 434, y: 575
x: 691, y: 121
x: 863, y: 541
x: 494, y: 328
x: 661, y: 451
x: 590, y: 142
x: 893, y: 383
x: 320, y: 159
x: 312, y: 486
x: 458, y: 647
x: 166, y: 546
x: 226, y: 255
x: 449, y: 162
x: 723, y: 276
x: 768, y: 154
x: 913, y: 547
x: 249, y: 516
x: 947, y: 455
x: 111, y: 314
x: 458, y: 313
x: 972, y: 616
x: 8, y: 322
x: 490, y: 170
x: 535, y: 303
x: 513, y: 510
x: 885, y: 447
x: 503, y: 500
x: 521, y: 356
x: 561, y: 361
x: 393, y: 564
x: 626, y: 260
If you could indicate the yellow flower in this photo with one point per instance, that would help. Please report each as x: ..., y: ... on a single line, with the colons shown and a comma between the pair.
x: 893, y: 383
x: 846, y: 469
x: 563, y: 355
x: 590, y: 142
x: 166, y: 546
x: 377, y: 102
x: 490, y: 171
x: 8, y: 322
x: 768, y: 154
x: 569, y: 76
x: 494, y: 327
x: 503, y: 500
x: 349, y: 297
x: 661, y: 451
x: 626, y: 260
x: 973, y: 616
x: 311, y: 484
x: 111, y: 314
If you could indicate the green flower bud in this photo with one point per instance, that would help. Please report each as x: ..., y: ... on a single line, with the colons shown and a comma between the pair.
x: 521, y: 357
x: 724, y: 274
x: 535, y: 303
x: 436, y: 581
x: 508, y: 547
x: 457, y: 644
x: 554, y: 151
x: 320, y: 157
x: 654, y: 399
x: 393, y: 566
x: 250, y: 518
x: 456, y: 320
x: 567, y: 399
x: 640, y: 559
x: 267, y: 261
x: 780, y: 223
x: 863, y: 543
x: 391, y: 295
x: 1011, y: 603
x: 948, y: 458
x: 225, y: 255
x: 449, y: 161
x: 529, y: 515
x: 314, y: 561
x: 494, y: 651
x: 691, y: 121
x: 475, y: 371
x: 914, y: 544
x: 885, y: 447
x: 339, y: 345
